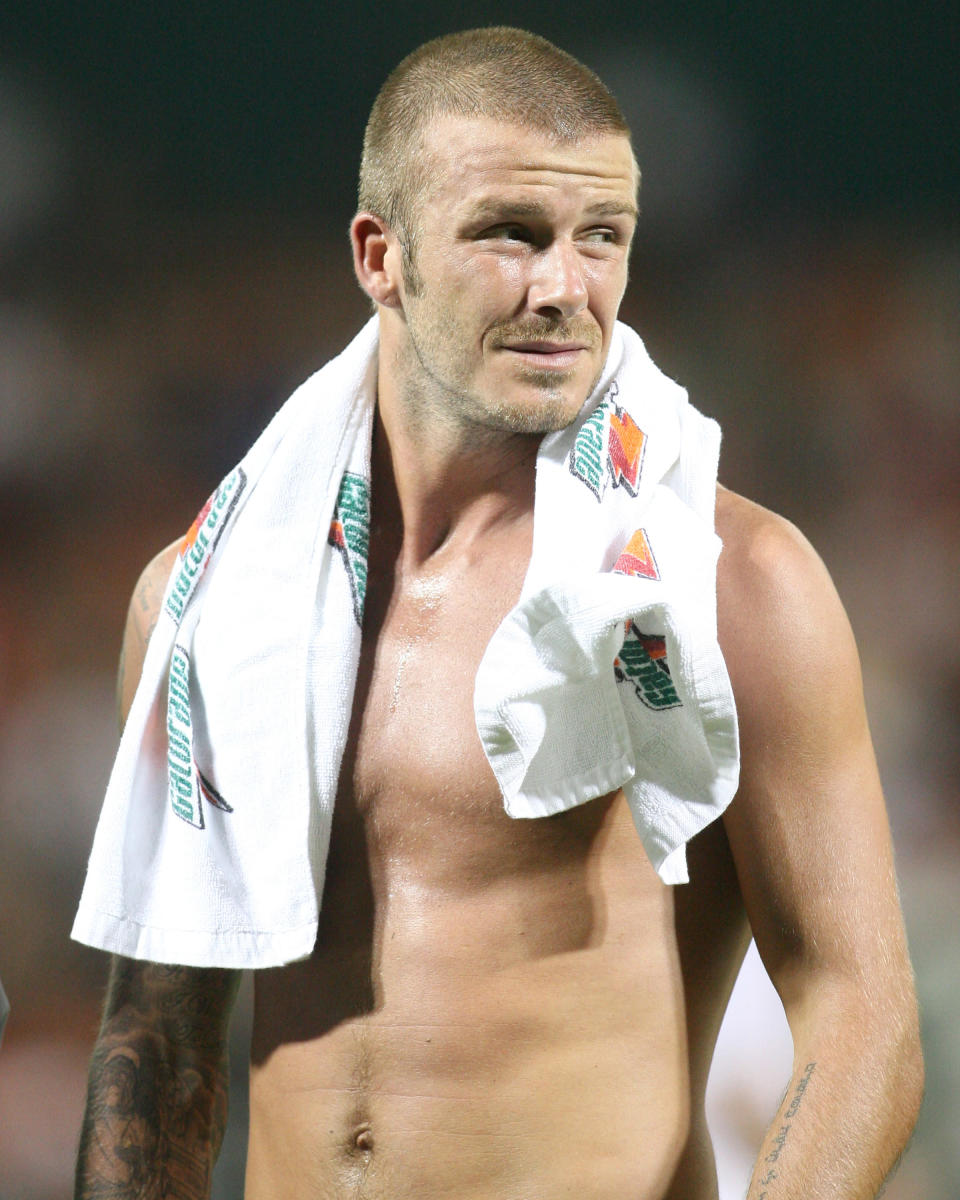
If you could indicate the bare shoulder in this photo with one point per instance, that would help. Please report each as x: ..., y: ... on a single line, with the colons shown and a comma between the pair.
x: 142, y: 616
x: 781, y: 624
x: 808, y: 830
x: 765, y: 557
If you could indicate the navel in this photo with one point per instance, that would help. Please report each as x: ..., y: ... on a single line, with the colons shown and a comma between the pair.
x: 362, y: 1139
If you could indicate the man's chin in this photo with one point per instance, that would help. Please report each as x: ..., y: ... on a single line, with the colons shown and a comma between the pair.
x: 542, y: 413
x: 543, y: 403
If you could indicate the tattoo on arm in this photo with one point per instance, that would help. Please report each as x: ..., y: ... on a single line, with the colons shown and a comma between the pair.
x: 148, y: 598
x: 157, y: 1103
x: 779, y: 1139
x: 141, y: 622
x: 145, y: 608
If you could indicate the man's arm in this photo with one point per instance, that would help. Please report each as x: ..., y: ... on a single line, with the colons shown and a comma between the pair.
x: 157, y: 1093
x: 157, y: 1096
x: 142, y: 614
x: 809, y: 836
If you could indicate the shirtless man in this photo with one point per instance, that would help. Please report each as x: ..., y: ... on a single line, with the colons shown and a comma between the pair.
x: 521, y: 1010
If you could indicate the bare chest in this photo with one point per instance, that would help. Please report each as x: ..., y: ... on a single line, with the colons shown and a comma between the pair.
x: 414, y: 736
x: 493, y: 1006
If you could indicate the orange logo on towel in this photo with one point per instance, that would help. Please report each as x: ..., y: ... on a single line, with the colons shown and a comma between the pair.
x: 625, y: 449
x: 609, y: 448
x: 190, y: 537
x: 654, y: 644
x: 642, y: 663
x: 637, y: 558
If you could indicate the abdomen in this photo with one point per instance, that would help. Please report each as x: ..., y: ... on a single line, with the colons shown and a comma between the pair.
x: 518, y: 1037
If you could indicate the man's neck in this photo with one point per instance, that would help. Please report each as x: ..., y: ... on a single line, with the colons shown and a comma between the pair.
x: 447, y: 488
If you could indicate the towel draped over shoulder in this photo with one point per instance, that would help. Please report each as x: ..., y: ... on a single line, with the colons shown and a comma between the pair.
x: 212, y: 843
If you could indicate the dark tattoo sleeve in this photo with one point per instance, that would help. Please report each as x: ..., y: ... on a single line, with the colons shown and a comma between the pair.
x: 157, y: 1098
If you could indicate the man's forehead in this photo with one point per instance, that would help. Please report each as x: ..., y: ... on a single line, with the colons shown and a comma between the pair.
x: 483, y: 151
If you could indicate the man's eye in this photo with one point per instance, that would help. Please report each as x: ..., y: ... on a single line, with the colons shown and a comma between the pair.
x: 600, y: 236
x: 509, y: 233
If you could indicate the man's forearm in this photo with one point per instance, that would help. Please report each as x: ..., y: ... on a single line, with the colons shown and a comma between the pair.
x: 842, y: 1125
x: 157, y: 1099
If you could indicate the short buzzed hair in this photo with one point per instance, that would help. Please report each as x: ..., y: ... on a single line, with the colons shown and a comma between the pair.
x: 502, y: 73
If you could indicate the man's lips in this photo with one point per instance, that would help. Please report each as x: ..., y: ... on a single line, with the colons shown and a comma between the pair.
x: 532, y: 347
x: 548, y: 354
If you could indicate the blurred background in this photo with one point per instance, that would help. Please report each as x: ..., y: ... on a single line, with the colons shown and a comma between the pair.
x: 176, y: 183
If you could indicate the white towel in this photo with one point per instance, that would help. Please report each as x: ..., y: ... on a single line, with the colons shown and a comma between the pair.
x: 212, y: 844
x: 608, y: 674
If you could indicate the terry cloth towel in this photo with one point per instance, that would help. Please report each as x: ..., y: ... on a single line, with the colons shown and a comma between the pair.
x: 211, y: 847
x: 623, y: 573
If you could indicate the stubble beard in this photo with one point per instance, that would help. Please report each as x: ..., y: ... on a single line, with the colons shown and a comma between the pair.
x: 439, y: 389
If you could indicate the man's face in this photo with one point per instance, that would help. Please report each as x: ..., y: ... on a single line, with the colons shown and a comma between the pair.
x: 519, y: 267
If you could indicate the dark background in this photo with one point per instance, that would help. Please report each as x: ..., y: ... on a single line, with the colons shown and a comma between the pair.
x: 175, y: 187
x: 851, y: 107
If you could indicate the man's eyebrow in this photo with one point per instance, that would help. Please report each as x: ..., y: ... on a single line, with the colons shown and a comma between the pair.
x: 495, y: 208
x: 498, y: 208
x: 613, y: 208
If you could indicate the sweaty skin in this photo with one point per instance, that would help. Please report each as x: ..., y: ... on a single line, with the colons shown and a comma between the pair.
x: 520, y: 1010
x: 499, y: 1008
x: 495, y: 1008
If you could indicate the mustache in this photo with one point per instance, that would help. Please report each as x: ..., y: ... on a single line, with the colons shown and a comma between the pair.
x: 546, y: 330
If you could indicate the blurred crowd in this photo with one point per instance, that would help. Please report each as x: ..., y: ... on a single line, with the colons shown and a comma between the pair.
x: 141, y: 350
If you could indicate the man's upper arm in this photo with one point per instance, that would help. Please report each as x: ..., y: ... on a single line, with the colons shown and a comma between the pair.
x: 157, y: 1092
x: 808, y: 828
x: 141, y: 619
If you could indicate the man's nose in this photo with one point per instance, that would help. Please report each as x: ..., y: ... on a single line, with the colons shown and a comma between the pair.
x: 557, y: 285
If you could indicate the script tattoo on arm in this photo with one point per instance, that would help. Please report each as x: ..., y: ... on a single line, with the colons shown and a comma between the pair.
x: 147, y: 600
x: 142, y: 619
x: 157, y: 1099
x: 779, y: 1139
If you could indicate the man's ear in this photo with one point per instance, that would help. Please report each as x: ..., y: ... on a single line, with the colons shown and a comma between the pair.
x: 376, y: 259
